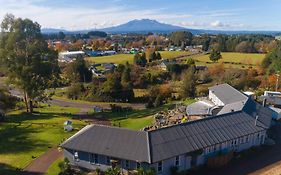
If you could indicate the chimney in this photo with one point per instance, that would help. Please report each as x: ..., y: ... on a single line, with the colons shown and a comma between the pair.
x: 264, y: 102
x: 257, y: 117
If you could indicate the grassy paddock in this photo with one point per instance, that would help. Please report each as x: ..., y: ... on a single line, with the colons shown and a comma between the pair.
x: 27, y: 136
x: 234, y: 58
x: 123, y: 58
x: 138, y: 119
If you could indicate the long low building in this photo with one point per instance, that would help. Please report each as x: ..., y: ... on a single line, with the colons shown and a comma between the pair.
x: 70, y: 55
x: 185, y: 146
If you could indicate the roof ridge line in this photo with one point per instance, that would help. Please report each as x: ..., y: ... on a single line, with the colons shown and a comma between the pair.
x: 78, y: 133
x: 148, y: 147
x: 195, y: 121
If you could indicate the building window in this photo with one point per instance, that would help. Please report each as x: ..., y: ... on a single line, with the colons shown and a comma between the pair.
x: 127, y: 163
x: 76, y: 156
x: 207, y: 150
x: 138, y: 165
x: 94, y: 158
x: 177, y: 161
x: 108, y: 160
x: 160, y: 167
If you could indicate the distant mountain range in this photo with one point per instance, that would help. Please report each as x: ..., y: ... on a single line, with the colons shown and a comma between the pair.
x: 147, y: 25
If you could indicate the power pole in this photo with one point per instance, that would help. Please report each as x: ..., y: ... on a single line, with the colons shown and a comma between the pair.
x: 277, y: 82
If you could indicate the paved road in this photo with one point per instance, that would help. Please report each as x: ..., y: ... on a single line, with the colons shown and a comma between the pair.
x: 40, y: 165
x: 85, y: 107
x: 267, y: 161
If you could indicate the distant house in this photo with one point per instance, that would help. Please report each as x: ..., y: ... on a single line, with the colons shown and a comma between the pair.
x: 185, y: 146
x: 201, y: 68
x: 69, y: 56
x: 68, y: 126
x: 165, y: 63
x: 102, y: 69
x: 97, y: 109
x: 272, y: 97
x: 109, y: 52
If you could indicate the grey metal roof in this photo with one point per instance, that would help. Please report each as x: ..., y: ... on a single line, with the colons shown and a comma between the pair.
x: 255, y: 109
x: 200, y: 108
x: 180, y: 139
x: 227, y: 94
x: 161, y: 144
x: 232, y: 107
x: 110, y: 141
x: 154, y: 146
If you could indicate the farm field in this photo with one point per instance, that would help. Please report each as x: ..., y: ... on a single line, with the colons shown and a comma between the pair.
x: 27, y: 136
x: 123, y: 58
x: 232, y: 59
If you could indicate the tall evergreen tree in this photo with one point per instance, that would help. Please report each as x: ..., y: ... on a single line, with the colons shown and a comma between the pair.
x: 215, y: 55
x: 189, y: 84
x: 32, y: 66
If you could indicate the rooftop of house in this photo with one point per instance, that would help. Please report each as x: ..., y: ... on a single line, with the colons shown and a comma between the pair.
x: 202, y: 107
x: 227, y: 94
x: 164, y: 143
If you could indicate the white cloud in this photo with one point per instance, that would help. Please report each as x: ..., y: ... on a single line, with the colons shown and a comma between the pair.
x: 218, y: 24
x: 81, y: 17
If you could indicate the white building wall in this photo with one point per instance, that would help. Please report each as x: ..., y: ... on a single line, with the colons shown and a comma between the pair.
x: 184, y: 164
x: 215, y: 99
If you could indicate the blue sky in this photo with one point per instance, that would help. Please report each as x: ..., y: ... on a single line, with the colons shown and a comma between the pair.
x: 203, y: 14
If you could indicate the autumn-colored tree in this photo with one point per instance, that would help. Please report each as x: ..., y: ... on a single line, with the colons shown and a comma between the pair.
x: 272, y: 79
x: 217, y: 69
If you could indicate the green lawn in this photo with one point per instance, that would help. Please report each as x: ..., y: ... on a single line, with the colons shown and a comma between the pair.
x: 173, y: 54
x: 123, y: 58
x: 135, y: 123
x: 54, y: 169
x: 118, y: 59
x: 25, y: 136
x: 232, y: 58
x: 138, y: 119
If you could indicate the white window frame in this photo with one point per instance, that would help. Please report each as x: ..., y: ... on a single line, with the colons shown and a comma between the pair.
x: 76, y: 156
x: 94, y: 159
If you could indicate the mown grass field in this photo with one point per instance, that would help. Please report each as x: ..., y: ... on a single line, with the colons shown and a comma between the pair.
x: 54, y: 169
x: 123, y: 58
x: 232, y: 59
x: 27, y: 136
x: 138, y: 119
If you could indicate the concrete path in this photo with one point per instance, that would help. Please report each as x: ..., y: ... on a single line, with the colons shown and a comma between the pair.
x: 40, y: 165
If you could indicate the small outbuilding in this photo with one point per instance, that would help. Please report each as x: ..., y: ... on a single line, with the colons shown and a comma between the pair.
x: 68, y: 126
